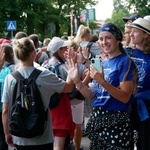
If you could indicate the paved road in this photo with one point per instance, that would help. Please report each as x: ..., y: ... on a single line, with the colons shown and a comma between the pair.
x: 85, y: 144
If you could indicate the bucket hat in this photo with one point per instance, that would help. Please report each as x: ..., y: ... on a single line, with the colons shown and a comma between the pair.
x: 147, y: 17
x: 142, y: 24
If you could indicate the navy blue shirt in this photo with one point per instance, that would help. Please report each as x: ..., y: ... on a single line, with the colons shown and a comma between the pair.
x: 142, y: 61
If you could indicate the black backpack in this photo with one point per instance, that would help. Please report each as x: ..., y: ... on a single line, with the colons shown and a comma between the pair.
x: 56, y: 97
x: 27, y: 114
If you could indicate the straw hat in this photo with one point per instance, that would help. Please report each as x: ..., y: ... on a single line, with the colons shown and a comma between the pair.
x: 147, y: 17
x: 142, y: 24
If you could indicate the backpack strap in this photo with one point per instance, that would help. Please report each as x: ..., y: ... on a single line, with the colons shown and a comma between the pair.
x: 55, y: 68
x: 7, y: 65
x: 89, y: 45
x: 35, y: 74
x: 17, y: 75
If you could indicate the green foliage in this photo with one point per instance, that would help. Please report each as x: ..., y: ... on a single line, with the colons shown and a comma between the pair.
x: 142, y: 7
x: 37, y: 16
x: 48, y: 17
x: 117, y: 19
x: 125, y: 8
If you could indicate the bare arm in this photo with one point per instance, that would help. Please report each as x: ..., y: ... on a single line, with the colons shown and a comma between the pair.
x: 86, y: 77
x: 73, y: 74
x: 84, y: 90
x: 68, y: 86
x: 8, y: 136
x: 121, y: 93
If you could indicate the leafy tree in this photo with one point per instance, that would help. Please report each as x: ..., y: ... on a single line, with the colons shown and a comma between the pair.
x: 142, y: 7
x: 8, y: 12
x: 40, y: 16
x: 117, y: 19
x: 119, y: 11
x: 25, y: 12
x: 68, y: 7
x: 125, y: 8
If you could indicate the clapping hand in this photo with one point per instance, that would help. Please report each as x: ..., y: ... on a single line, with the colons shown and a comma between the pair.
x: 77, y: 56
x: 72, y: 69
x: 85, y: 52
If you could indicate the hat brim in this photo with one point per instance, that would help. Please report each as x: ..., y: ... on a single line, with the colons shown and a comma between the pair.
x: 66, y: 43
x: 134, y: 25
x: 133, y: 18
x: 125, y: 19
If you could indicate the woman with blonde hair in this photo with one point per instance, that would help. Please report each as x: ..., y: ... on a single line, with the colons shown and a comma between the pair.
x: 140, y: 37
x: 83, y: 38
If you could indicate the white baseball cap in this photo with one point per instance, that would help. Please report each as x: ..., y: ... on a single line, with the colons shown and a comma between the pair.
x: 56, y: 43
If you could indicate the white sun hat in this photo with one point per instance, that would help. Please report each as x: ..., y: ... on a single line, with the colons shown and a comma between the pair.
x: 142, y: 24
x: 147, y: 17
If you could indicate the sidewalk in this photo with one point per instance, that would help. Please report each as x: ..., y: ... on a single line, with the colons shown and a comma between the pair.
x: 84, y: 144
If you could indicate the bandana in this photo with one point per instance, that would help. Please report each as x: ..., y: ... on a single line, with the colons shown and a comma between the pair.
x: 112, y: 29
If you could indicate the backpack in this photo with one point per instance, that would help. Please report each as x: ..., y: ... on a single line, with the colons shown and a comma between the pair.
x: 27, y: 114
x: 89, y: 45
x: 56, y: 97
x: 3, y: 73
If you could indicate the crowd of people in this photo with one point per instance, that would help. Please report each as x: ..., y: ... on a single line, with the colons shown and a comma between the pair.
x: 118, y: 94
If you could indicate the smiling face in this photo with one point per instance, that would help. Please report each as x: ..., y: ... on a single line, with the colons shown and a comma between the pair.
x: 137, y: 36
x: 109, y: 44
